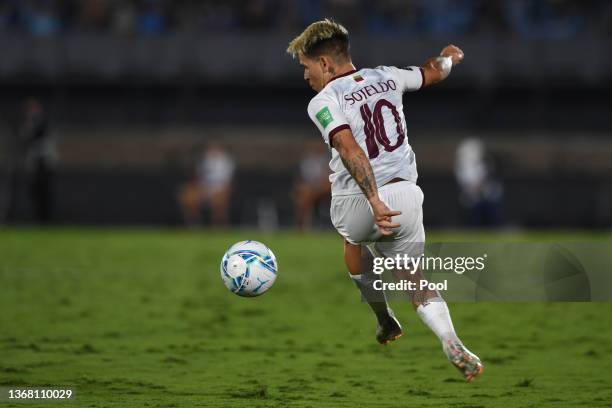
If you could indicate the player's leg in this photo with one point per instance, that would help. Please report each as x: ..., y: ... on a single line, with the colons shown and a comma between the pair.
x: 417, y: 297
x: 429, y: 305
x: 352, y: 218
x: 434, y: 312
x: 360, y: 263
x: 304, y: 204
x: 219, y: 203
x: 190, y: 202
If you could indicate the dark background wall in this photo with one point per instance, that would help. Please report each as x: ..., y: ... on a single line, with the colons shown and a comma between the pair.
x: 128, y: 104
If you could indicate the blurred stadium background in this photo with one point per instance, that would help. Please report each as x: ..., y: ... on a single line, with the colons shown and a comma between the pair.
x: 106, y: 104
x: 161, y: 112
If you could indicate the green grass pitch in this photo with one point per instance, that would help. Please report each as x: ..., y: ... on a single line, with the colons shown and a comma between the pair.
x: 140, y: 318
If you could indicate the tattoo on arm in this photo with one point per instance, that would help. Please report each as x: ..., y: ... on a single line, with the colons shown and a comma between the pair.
x: 359, y: 167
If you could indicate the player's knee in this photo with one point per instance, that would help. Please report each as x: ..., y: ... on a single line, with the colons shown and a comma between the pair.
x: 352, y: 258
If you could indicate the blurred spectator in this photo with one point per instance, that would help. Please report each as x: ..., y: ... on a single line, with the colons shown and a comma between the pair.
x: 39, y: 155
x: 491, y: 18
x: 393, y: 16
x: 297, y: 14
x: 123, y: 17
x: 546, y: 18
x: 449, y: 16
x: 257, y: 15
x: 211, y: 186
x: 198, y: 16
x: 312, y: 185
x: 151, y: 19
x: 480, y: 194
x: 40, y: 17
x: 94, y: 14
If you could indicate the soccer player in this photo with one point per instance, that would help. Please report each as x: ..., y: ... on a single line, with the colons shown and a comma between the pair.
x: 360, y: 116
x: 211, y: 185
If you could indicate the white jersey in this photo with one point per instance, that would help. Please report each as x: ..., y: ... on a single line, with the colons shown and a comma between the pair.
x: 369, y: 103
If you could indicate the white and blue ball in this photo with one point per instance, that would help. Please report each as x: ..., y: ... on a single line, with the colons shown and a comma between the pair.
x: 248, y: 268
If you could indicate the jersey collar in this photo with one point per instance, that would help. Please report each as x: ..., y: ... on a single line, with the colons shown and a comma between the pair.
x: 343, y: 75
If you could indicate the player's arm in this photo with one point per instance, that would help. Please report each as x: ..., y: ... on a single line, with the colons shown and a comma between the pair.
x: 357, y: 164
x: 438, y: 68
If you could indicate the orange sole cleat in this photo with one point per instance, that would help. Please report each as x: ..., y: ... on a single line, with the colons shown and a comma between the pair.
x: 384, y: 343
x: 390, y: 331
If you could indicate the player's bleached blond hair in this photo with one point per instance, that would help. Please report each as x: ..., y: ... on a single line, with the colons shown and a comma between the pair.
x: 325, y: 36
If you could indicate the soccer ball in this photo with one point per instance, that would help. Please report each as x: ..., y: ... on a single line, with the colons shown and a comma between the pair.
x: 248, y: 268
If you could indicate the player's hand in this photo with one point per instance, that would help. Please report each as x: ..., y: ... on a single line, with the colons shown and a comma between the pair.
x: 382, y: 217
x: 454, y: 52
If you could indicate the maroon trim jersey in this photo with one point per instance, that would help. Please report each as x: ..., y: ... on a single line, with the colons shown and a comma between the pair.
x: 369, y: 103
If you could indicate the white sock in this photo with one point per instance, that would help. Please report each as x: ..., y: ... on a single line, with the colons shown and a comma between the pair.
x: 436, y: 316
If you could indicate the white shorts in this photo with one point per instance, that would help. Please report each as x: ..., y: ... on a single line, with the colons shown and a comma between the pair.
x: 352, y: 217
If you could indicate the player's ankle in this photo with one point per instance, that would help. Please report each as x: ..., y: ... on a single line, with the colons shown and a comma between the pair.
x: 447, y: 338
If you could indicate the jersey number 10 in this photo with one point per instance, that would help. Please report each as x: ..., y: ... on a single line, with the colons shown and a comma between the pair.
x: 374, y: 127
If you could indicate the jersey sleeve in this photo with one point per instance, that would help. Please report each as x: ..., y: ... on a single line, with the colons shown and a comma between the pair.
x: 327, y: 116
x: 409, y: 78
